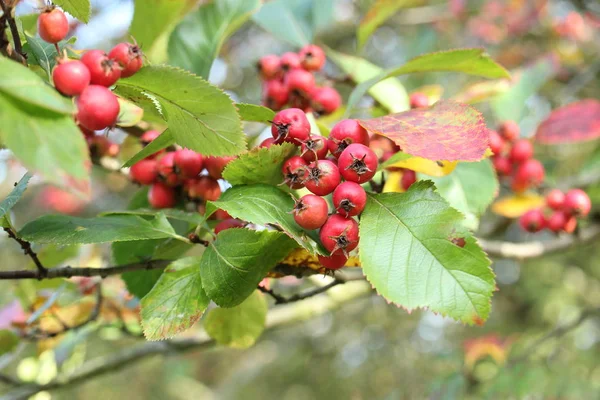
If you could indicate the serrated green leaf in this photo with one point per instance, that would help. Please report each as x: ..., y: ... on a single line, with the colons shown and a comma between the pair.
x: 254, y: 113
x: 15, y: 195
x: 152, y: 109
x: 180, y: 215
x: 152, y: 18
x: 264, y: 204
x: 259, y: 165
x: 163, y: 141
x: 200, y: 116
x: 197, y: 40
x: 407, y: 254
x: 233, y: 265
x: 63, y: 229
x: 80, y: 9
x: 176, y: 302
x: 8, y: 341
x: 238, y: 327
x: 44, y: 53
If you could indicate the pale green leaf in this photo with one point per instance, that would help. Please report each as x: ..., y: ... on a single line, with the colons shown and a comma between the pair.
x: 44, y: 53
x: 80, y: 9
x: 152, y: 18
x: 259, y: 165
x: 254, y: 113
x: 9, y: 340
x: 289, y: 20
x: 163, y: 141
x: 15, y: 195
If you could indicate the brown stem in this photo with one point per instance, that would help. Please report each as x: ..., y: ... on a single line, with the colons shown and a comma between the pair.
x: 7, y: 11
x: 26, y: 246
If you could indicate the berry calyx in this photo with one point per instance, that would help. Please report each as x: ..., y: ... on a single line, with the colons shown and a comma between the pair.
x: 418, y: 100
x: 144, y: 172
x: 229, y: 224
x: 408, y: 178
x: 314, y: 148
x: 216, y: 165
x: 323, y: 177
x: 53, y: 25
x: 103, y: 70
x: 269, y: 67
x: 577, y: 202
x: 344, y: 133
x: 349, y: 199
x: 521, y: 151
x: 496, y: 143
x: 312, y: 57
x: 325, y: 100
x: 204, y: 187
x: 289, y: 61
x: 294, y: 172
x: 358, y: 163
x: 129, y: 56
x: 555, y: 199
x: 339, y: 234
x: 188, y: 163
x: 290, y: 125
x: 97, y: 108
x: 509, y: 130
x: 310, y: 212
x: 70, y: 77
x: 333, y: 262
x: 161, y: 196
x: 533, y: 221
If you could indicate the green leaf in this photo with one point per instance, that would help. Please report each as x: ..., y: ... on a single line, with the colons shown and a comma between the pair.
x: 173, y: 213
x: 259, y: 165
x: 287, y: 20
x: 15, y: 195
x: 163, y: 141
x: 254, y: 113
x: 241, y: 326
x: 397, y: 157
x: 176, y: 302
x: 63, y: 229
x: 470, y: 189
x: 233, y: 265
x: 153, y: 111
x: 129, y: 113
x: 44, y: 53
x: 407, y: 254
x: 200, y: 116
x: 264, y: 204
x: 197, y: 40
x: 152, y: 18
x: 469, y: 61
x: 80, y: 9
x: 9, y: 340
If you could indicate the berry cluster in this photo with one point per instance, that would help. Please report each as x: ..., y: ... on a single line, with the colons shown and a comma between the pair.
x: 349, y: 164
x: 562, y: 210
x: 513, y: 158
x: 289, y: 81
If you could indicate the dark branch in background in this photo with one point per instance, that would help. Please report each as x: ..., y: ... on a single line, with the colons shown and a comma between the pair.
x: 7, y: 18
x: 9, y: 380
x: 279, y: 299
x: 26, y: 246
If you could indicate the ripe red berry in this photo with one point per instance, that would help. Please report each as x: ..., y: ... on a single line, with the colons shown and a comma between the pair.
x: 529, y: 174
x: 188, y: 163
x: 509, y: 130
x: 144, y: 171
x: 335, y: 261
x: 300, y: 82
x: 312, y: 57
x: 161, y: 196
x: 275, y: 94
x: 418, y: 100
x: 557, y: 221
x: 349, y: 199
x: 294, y: 172
x: 310, y: 212
x: 496, y: 143
x: 97, y: 108
x: 339, y: 234
x: 521, y: 151
x: 408, y: 178
x: 577, y: 202
x: 502, y: 165
x: 216, y: 165
x: 323, y: 177
x: 268, y: 142
x: 148, y: 137
x: 269, y: 67
x: 220, y: 215
x: 344, y: 133
x: 358, y: 163
x: 555, y: 199
x: 290, y: 125
x: 533, y: 221
x: 204, y: 187
x: 167, y: 171
x: 289, y: 61
x: 53, y: 25
x: 129, y: 57
x: 103, y: 70
x: 228, y: 224
x: 71, y: 77
x: 325, y: 100
x: 314, y: 148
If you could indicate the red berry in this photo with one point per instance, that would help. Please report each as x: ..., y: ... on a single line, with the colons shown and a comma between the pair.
x: 570, y: 225
x: 310, y: 212
x: 144, y: 171
x: 275, y: 94
x: 577, y: 202
x: 269, y: 67
x: 97, y: 108
x: 294, y: 172
x: 529, y: 174
x: 220, y: 215
x: 161, y: 196
x: 290, y: 125
x: 312, y: 57
x: 314, y: 148
x: 358, y: 163
x: 339, y: 234
x: 71, y: 77
x: 532, y: 221
x: 521, y: 151
x: 167, y: 171
x: 349, y: 199
x: 323, y: 177
x: 496, y: 143
x: 344, y: 133
x: 188, y: 163
x: 325, y: 100
x: 557, y: 221
x: 268, y: 142
x: 502, y: 165
x: 300, y: 82
x: 148, y: 137
x: 129, y: 57
x: 53, y: 25
x: 103, y: 70
x: 289, y: 61
x: 509, y: 130
x: 408, y: 178
x: 555, y: 199
x: 228, y: 224
x: 335, y: 261
x: 204, y: 187
x: 419, y: 100
x: 216, y: 165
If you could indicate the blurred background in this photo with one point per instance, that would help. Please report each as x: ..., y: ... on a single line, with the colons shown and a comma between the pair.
x: 367, y: 349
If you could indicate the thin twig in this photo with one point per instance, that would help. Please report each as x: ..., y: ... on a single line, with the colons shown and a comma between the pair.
x: 9, y: 380
x: 7, y: 11
x: 26, y: 246
x: 279, y: 299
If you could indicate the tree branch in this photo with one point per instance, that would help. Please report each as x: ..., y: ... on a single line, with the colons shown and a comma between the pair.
x: 17, y: 54
x: 279, y: 299
x: 26, y: 246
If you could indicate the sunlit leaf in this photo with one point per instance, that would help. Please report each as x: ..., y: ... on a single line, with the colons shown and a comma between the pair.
x: 259, y: 165
x: 482, y: 91
x: 15, y: 195
x: 80, y: 9
x: 129, y: 113
x: 427, y: 167
x: 516, y: 205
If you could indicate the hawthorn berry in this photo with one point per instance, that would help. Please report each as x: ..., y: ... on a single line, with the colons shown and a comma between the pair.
x: 204, y: 187
x: 220, y: 215
x: 312, y: 57
x: 314, y: 148
x: 187, y: 163
x: 161, y: 196
x: 339, y: 234
x: 97, y: 108
x: 290, y: 125
x: 310, y: 212
x: 275, y: 94
x: 129, y: 57
x: 148, y: 137
x: 533, y: 221
x: 289, y: 61
x: 322, y: 177
x: 577, y: 202
x: 216, y: 165
x: 53, y: 25
x: 300, y: 82
x: 418, y: 100
x: 358, y: 163
x: 344, y: 133
x: 502, y: 165
x: 144, y: 171
x: 70, y: 77
x: 269, y: 67
x: 496, y: 143
x: 555, y: 199
x: 521, y: 151
x: 167, y: 171
x: 408, y: 178
x: 349, y: 199
x: 528, y: 174
x: 294, y: 171
x: 557, y: 221
x: 268, y: 142
x: 103, y: 70
x: 509, y: 130
x: 325, y: 100
x: 335, y: 261
x: 229, y: 224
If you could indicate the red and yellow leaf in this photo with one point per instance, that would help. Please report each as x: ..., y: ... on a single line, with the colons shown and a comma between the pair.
x: 576, y: 122
x: 427, y: 167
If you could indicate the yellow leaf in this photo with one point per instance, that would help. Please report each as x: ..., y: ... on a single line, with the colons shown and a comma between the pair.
x: 517, y: 205
x: 482, y: 91
x: 392, y: 183
x: 427, y: 167
x: 300, y: 258
x: 433, y: 92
